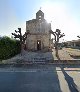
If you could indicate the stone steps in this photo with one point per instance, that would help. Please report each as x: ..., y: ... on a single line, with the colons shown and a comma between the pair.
x: 37, y: 56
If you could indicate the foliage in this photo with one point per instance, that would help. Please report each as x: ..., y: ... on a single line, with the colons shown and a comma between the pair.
x: 8, y: 47
x: 65, y: 44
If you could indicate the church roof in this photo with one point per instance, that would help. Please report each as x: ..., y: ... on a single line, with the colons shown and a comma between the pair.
x: 39, y: 12
x: 30, y: 21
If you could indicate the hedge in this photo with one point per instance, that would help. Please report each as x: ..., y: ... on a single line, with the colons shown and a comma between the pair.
x: 8, y: 47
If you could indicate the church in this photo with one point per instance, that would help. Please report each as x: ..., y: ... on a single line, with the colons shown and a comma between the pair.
x: 39, y: 38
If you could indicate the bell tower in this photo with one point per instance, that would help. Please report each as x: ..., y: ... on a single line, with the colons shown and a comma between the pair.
x: 40, y: 15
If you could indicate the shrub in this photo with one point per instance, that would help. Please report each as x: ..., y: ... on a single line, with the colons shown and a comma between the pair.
x: 8, y: 47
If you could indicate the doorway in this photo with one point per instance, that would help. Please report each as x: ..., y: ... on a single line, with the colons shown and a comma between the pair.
x: 38, y: 44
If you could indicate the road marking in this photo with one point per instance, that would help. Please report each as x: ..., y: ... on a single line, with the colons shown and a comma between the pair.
x: 18, y: 70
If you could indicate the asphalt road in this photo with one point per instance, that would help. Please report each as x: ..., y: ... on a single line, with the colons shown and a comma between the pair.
x: 43, y: 78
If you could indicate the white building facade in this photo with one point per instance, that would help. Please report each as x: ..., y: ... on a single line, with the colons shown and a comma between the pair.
x: 39, y: 37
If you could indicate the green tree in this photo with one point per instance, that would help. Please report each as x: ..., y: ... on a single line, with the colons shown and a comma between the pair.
x: 8, y: 47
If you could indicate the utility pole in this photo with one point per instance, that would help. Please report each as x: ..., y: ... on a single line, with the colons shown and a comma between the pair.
x: 57, y: 35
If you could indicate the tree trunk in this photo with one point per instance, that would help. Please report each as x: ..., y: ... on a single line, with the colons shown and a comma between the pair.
x: 56, y: 49
x: 56, y: 52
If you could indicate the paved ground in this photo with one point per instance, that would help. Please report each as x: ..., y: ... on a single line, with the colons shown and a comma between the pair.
x: 66, y: 53
x: 72, y: 51
x: 63, y: 55
x: 40, y: 78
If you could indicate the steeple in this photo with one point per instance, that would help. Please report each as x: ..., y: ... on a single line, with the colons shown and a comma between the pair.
x: 40, y: 15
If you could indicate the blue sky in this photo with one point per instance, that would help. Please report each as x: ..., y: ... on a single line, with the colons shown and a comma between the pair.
x: 64, y: 14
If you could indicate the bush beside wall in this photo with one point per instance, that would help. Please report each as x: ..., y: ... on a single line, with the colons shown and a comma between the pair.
x: 8, y: 47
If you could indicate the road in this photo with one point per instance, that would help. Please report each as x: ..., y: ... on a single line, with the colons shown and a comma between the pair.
x: 41, y: 78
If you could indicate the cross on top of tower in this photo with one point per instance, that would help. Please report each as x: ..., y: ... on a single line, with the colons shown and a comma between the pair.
x: 40, y: 8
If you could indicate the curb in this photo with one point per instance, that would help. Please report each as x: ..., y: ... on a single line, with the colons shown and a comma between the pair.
x: 54, y: 62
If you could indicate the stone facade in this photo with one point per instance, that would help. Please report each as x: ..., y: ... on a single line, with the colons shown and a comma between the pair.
x: 39, y: 37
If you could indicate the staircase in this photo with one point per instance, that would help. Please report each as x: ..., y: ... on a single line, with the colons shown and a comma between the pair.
x: 37, y: 56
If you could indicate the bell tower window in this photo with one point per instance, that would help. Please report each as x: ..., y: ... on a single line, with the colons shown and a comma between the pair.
x: 39, y: 16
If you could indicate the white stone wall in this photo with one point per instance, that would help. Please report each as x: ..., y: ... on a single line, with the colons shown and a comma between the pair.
x: 38, y: 27
x: 39, y: 30
x: 32, y: 41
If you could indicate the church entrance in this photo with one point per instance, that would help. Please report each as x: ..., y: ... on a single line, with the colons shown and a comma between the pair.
x: 38, y: 44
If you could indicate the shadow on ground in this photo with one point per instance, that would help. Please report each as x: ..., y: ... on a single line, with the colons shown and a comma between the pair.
x: 72, y: 86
